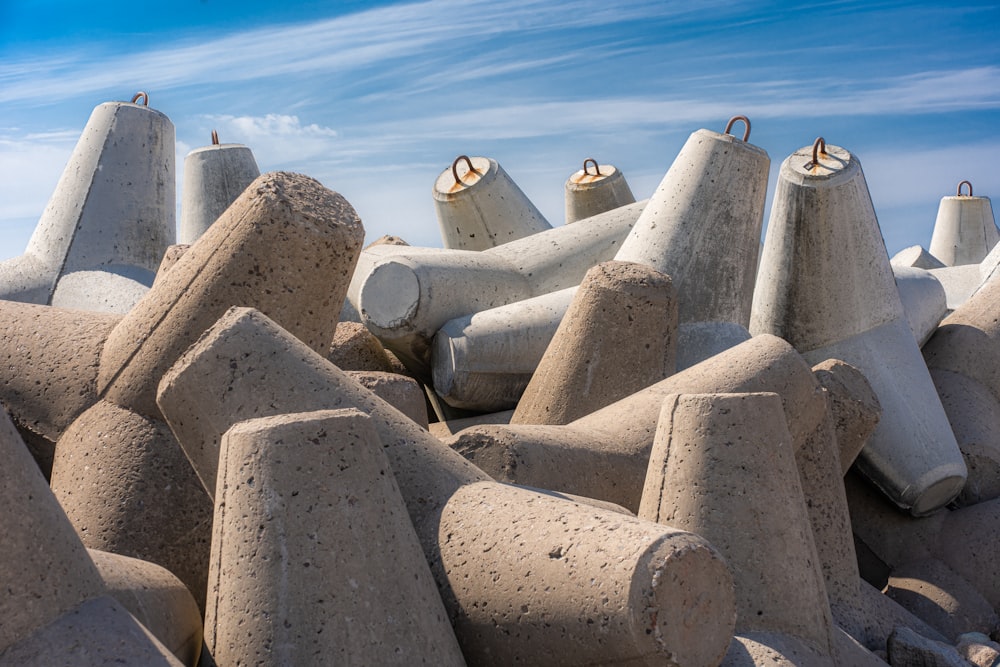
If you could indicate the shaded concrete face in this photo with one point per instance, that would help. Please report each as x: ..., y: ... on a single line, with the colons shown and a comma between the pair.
x: 617, y: 337
x: 287, y: 246
x: 964, y: 231
x: 916, y: 257
x: 214, y: 176
x: 314, y: 559
x: 923, y: 299
x: 598, y: 189
x: 853, y: 405
x: 484, y: 208
x: 702, y: 227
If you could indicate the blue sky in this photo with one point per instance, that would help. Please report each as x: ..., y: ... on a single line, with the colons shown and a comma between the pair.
x: 375, y: 99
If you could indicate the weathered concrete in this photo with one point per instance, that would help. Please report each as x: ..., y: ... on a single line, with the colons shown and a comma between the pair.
x: 617, y: 337
x: 112, y: 212
x: 604, y: 455
x: 826, y: 286
x: 906, y: 647
x: 354, y: 348
x: 473, y: 530
x: 854, y: 407
x: 698, y: 341
x: 775, y: 649
x: 214, y: 176
x: 917, y: 257
x: 923, y: 299
x: 157, y: 599
x: 964, y: 231
x: 394, y: 291
x: 959, y: 283
x: 401, y: 392
x: 595, y: 189
x: 447, y: 429
x: 344, y: 580
x: 479, y: 206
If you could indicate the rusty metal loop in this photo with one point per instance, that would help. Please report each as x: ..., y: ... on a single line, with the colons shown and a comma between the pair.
x: 145, y: 98
x: 732, y: 121
x: 215, y: 138
x: 819, y: 146
x: 454, y: 167
x: 597, y: 167
x: 959, y: 192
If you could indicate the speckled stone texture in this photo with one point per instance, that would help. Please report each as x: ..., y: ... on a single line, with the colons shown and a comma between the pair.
x: 399, y: 391
x: 354, y: 348
x: 853, y: 404
x: 618, y: 336
x: 344, y: 580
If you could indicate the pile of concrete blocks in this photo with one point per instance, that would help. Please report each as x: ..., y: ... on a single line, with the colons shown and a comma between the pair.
x: 721, y: 455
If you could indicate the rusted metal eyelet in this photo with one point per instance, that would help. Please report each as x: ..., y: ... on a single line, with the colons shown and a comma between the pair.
x: 959, y: 192
x: 145, y: 98
x: 597, y: 168
x: 454, y: 167
x: 732, y: 121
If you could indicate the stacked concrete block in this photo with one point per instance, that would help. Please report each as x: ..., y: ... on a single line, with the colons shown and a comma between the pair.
x: 965, y: 230
x: 595, y: 189
x: 99, y: 241
x: 917, y: 257
x: 214, y: 176
x: 479, y: 206
x: 526, y: 577
x: 923, y: 299
x: 826, y: 286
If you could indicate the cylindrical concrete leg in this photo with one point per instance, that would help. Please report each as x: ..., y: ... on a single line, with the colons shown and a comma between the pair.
x: 853, y: 405
x: 314, y: 559
x: 214, y: 176
x: 618, y: 336
x: 965, y: 230
x: 594, y: 190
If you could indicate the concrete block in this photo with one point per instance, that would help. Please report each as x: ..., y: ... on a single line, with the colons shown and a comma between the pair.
x: 112, y: 212
x: 978, y: 649
x: 964, y: 231
x: 449, y: 428
x: 959, y: 283
x: 774, y: 649
x: 399, y: 391
x: 617, y: 337
x: 214, y: 176
x: 354, y: 348
x: 595, y: 189
x: 923, y: 299
x: 479, y: 206
x: 472, y: 530
x: 170, y: 257
x: 826, y: 287
x: 109, y: 290
x: 698, y: 341
x: 314, y: 559
x: 906, y: 647
x: 854, y: 407
x: 917, y: 257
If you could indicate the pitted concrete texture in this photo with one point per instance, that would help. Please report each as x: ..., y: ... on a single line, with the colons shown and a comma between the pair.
x: 604, y: 454
x: 214, y: 177
x: 722, y: 466
x: 595, y: 190
x: 484, y: 208
x: 773, y: 649
x: 95, y: 633
x: 44, y: 568
x: 917, y: 257
x: 314, y: 559
x: 111, y: 290
x: 964, y: 231
x: 287, y: 246
x: 702, y: 226
x: 399, y: 391
x: 446, y: 429
x: 618, y: 336
x: 906, y: 647
x: 354, y: 348
x: 854, y: 407
x: 170, y: 257
x: 128, y: 489
x: 250, y: 368
x: 156, y: 598
x: 697, y: 341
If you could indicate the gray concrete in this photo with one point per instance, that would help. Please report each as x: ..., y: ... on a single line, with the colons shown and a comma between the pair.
x: 246, y: 366
x: 959, y: 282
x: 483, y: 207
x: 214, y: 176
x: 853, y: 406
x: 923, y: 299
x: 595, y: 189
x: 698, y: 341
x: 916, y: 257
x: 401, y: 392
x: 965, y: 230
x: 112, y: 212
x: 314, y: 559
x: 826, y: 286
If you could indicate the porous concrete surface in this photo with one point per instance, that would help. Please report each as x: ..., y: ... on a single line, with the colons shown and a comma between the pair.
x: 853, y: 404
x: 906, y: 647
x: 399, y: 391
x: 587, y: 194
x: 354, y: 348
x: 170, y: 257
x: 113, y: 290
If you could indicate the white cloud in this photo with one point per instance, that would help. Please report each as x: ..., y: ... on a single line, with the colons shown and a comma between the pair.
x: 275, y: 139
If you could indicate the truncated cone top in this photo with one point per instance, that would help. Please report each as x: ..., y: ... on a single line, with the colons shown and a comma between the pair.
x: 824, y: 273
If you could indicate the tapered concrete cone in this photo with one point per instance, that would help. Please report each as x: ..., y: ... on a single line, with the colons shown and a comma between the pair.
x: 965, y: 230
x: 595, y: 189
x: 702, y: 226
x: 826, y: 286
x: 479, y: 206
x: 722, y: 466
x: 214, y: 176
x: 342, y: 579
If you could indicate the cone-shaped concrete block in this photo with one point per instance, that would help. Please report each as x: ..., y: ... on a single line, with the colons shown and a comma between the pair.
x: 314, y: 559
x: 916, y: 257
x: 156, y: 598
x: 112, y: 211
x: 246, y: 366
x: 287, y: 246
x: 854, y: 407
x: 479, y: 206
x: 170, y: 257
x: 698, y: 341
x: 401, y: 392
x: 604, y: 454
x: 214, y: 176
x: 923, y: 299
x: 354, y: 348
x: 404, y: 295
x: 965, y: 230
x: 618, y: 336
x: 594, y: 190
x: 722, y: 466
x: 702, y: 226
x: 826, y: 286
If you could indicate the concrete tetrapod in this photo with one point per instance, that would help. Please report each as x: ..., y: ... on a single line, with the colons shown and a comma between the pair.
x: 314, y: 559
x: 588, y: 194
x: 618, y: 336
x: 214, y: 176
x: 604, y: 455
x: 599, y: 580
x: 394, y: 292
x: 965, y: 230
x: 109, y: 219
x: 479, y: 206
x: 826, y: 286
x: 923, y: 299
